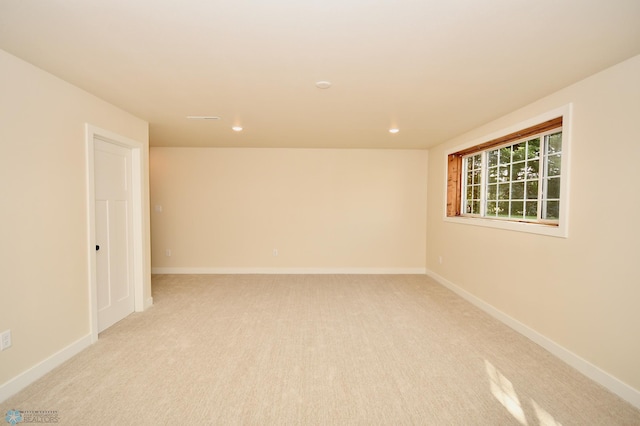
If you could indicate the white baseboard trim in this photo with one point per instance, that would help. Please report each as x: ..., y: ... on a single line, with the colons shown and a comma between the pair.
x: 593, y: 372
x: 29, y: 376
x: 284, y: 271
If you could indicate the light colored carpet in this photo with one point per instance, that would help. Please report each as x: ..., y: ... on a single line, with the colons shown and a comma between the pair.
x: 316, y: 349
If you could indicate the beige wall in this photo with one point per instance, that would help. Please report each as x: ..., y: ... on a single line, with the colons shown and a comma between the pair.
x: 227, y: 209
x: 581, y: 292
x: 43, y: 219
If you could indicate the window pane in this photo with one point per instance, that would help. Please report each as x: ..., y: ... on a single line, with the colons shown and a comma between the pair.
x: 519, y: 152
x: 553, y: 188
x: 532, y: 209
x: 505, y: 155
x: 491, y: 192
x: 476, y: 177
x: 553, y: 165
x: 491, y: 208
x: 477, y: 161
x: 517, y: 209
x: 517, y: 191
x: 472, y: 188
x: 553, y: 210
x: 475, y: 208
x: 503, y: 191
x: 533, y: 168
x: 476, y: 192
x: 532, y: 190
x: 533, y: 148
x: 505, y: 171
x: 503, y: 208
x: 518, y: 171
x: 554, y: 143
x: 493, y: 174
x: 493, y: 158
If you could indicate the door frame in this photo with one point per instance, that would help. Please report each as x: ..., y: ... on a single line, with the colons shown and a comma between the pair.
x: 137, y: 184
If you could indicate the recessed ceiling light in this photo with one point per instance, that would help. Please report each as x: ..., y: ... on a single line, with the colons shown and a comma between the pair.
x: 323, y: 84
x: 202, y: 117
x: 394, y: 130
x: 237, y: 128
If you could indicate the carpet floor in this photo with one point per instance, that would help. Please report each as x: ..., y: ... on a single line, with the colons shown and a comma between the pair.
x: 316, y: 350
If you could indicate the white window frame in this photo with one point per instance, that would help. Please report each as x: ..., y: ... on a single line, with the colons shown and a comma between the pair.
x: 556, y: 229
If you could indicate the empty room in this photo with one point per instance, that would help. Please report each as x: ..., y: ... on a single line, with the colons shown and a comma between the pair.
x: 336, y: 212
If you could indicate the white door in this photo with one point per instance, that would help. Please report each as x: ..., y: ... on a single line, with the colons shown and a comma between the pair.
x: 114, y: 243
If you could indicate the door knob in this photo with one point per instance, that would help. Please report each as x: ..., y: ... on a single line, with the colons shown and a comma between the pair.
x: 97, y: 247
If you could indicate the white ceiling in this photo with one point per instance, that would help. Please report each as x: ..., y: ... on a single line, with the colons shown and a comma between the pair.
x: 433, y: 68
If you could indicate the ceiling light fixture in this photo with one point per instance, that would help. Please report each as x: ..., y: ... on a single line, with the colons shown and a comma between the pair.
x: 394, y: 130
x: 237, y: 128
x: 202, y: 117
x: 323, y: 84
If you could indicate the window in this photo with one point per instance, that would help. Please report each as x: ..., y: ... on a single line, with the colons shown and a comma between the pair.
x: 515, y: 181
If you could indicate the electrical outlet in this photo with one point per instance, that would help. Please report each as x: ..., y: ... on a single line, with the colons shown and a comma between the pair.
x: 275, y: 252
x: 5, y: 340
x: 440, y: 260
x: 167, y: 252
